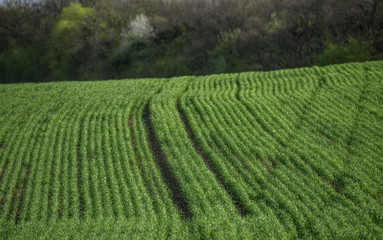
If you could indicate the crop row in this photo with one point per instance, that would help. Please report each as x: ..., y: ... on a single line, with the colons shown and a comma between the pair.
x: 299, y: 150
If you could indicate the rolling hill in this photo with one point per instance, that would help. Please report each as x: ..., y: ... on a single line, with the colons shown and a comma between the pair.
x: 284, y: 154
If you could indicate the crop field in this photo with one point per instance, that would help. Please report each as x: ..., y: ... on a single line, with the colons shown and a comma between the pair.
x: 258, y: 155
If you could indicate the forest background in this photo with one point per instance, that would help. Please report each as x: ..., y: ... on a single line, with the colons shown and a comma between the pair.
x: 61, y: 40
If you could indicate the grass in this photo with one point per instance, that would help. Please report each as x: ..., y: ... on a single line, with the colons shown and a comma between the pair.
x: 284, y: 154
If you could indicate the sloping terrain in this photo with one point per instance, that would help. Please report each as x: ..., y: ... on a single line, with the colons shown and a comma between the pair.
x: 284, y: 154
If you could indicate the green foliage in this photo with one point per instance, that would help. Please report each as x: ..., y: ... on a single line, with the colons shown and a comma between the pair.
x: 225, y: 56
x: 142, y: 58
x: 21, y: 65
x: 70, y: 17
x: 289, y: 154
x: 110, y: 39
x: 352, y: 51
x: 77, y: 34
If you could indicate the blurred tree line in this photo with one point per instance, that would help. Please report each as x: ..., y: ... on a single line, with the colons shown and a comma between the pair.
x: 55, y: 40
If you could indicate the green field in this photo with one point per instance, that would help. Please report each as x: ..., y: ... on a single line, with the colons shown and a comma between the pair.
x: 284, y: 154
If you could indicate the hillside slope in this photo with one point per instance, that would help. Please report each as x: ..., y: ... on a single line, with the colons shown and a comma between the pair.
x: 284, y: 154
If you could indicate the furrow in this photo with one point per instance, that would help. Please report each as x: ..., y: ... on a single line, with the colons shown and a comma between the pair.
x: 160, y: 159
x: 198, y: 149
x: 152, y: 172
x: 225, y: 170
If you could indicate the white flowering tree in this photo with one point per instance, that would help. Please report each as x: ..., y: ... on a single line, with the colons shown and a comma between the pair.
x: 138, y: 29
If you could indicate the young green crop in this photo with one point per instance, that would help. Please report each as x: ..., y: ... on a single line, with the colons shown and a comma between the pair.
x: 259, y: 155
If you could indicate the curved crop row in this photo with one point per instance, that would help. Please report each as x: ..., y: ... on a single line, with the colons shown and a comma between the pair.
x: 281, y: 154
